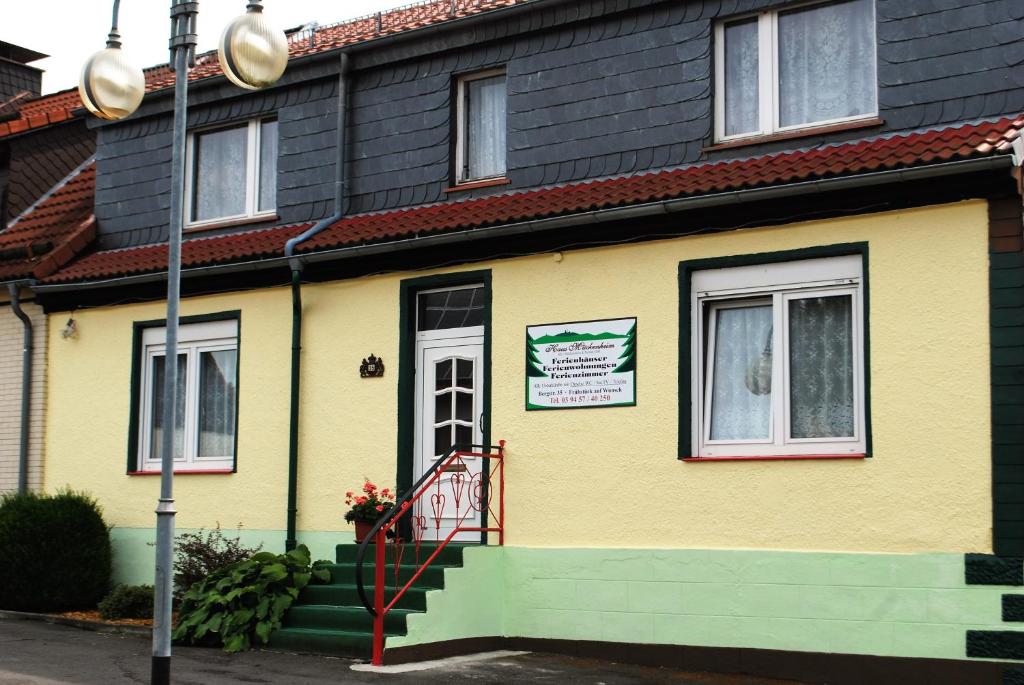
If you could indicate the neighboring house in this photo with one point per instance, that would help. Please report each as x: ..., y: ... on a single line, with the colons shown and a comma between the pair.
x: 43, y: 147
x: 800, y: 223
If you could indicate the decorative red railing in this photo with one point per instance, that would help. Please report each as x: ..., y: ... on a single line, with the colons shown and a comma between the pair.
x: 455, y: 496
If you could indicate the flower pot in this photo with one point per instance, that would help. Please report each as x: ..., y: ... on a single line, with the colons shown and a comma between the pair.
x: 363, y: 529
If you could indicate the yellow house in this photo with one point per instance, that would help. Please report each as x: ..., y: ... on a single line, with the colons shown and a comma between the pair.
x: 721, y: 402
x: 667, y: 519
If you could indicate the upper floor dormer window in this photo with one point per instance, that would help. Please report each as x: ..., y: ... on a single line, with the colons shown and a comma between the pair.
x: 785, y: 70
x: 480, y: 134
x: 232, y: 173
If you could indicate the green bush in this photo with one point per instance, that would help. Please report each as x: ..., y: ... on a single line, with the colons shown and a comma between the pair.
x: 245, y: 601
x: 54, y: 552
x: 128, y: 601
x: 197, y: 555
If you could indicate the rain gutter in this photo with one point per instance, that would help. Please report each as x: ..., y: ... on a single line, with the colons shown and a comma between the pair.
x: 340, y: 208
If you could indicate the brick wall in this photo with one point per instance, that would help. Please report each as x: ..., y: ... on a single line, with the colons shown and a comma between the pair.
x: 11, y: 332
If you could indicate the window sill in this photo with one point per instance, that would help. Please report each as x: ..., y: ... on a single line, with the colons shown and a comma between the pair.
x: 186, y: 472
x: 802, y: 133
x: 484, y: 183
x: 777, y: 457
x: 235, y: 221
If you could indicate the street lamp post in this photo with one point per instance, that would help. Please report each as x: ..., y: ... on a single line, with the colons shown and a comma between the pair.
x: 252, y: 55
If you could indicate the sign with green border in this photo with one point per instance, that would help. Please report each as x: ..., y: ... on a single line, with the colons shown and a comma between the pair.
x: 581, y: 364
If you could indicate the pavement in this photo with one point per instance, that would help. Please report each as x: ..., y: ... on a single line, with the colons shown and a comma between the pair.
x: 37, y: 653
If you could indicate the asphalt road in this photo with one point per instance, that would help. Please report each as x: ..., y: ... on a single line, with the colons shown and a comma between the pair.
x: 36, y: 653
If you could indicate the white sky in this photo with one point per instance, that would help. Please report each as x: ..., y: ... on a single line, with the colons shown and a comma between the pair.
x: 71, y: 30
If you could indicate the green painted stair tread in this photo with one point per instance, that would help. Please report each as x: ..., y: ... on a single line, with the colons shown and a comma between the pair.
x: 432, y: 576
x: 451, y: 554
x: 344, y: 643
x: 348, y: 595
x: 345, y: 618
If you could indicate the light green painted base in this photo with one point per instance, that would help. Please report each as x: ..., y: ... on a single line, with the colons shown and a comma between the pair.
x: 471, y: 604
x: 135, y: 553
x: 884, y: 604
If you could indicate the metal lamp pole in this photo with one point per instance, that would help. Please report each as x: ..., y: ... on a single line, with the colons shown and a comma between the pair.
x: 183, y: 44
x: 252, y: 55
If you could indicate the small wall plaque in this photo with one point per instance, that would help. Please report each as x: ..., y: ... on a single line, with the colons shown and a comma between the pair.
x: 372, y: 367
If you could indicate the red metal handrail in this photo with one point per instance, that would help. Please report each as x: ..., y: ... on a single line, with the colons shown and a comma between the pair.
x: 476, y: 493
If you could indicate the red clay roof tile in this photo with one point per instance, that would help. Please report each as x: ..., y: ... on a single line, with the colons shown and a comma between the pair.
x: 890, y: 152
x: 50, y: 234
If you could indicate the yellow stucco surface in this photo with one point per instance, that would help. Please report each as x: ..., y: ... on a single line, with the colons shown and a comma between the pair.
x: 591, y: 478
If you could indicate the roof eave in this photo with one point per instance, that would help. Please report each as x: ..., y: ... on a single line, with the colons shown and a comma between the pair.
x: 633, y: 211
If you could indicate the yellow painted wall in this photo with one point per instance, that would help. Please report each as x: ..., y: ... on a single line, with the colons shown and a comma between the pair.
x: 926, y: 489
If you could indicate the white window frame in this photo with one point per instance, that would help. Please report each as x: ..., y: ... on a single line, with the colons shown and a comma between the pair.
x: 461, y: 112
x: 193, y: 339
x: 768, y: 69
x: 715, y: 289
x: 252, y: 175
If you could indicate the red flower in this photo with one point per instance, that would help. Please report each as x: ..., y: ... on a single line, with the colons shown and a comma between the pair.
x: 360, y: 500
x: 380, y: 507
x: 348, y: 494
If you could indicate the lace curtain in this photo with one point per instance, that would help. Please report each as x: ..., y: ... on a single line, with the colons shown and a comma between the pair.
x: 741, y: 78
x: 742, y: 339
x: 826, y: 63
x: 821, y: 367
x: 217, y: 403
x: 485, y: 129
x: 157, y: 404
x: 219, y: 187
x: 268, y: 165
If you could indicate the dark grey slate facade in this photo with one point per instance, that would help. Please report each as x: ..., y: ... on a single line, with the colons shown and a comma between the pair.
x: 17, y: 79
x: 595, y: 88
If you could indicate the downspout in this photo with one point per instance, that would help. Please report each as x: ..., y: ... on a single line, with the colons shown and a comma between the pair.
x: 296, y: 264
x: 26, y: 386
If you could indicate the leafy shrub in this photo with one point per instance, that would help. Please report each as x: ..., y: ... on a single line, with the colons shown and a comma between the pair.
x: 199, y: 554
x: 128, y: 601
x: 55, y: 552
x: 246, y: 600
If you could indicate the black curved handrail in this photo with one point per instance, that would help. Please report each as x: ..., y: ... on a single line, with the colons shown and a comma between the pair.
x: 397, y: 511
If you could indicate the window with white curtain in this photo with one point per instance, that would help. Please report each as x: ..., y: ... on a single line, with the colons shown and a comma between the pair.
x: 233, y: 173
x: 205, y: 421
x: 480, y: 136
x: 799, y: 67
x: 778, y: 354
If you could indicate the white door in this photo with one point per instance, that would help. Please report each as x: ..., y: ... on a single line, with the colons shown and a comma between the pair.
x: 449, y: 408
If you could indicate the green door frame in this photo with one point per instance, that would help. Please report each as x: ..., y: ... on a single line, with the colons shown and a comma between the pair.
x: 409, y: 289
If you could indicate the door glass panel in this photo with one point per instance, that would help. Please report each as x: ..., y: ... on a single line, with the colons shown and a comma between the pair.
x: 741, y: 397
x: 442, y: 439
x: 443, y: 375
x: 464, y: 436
x: 464, y: 406
x: 217, y: 403
x: 821, y: 367
x: 465, y: 373
x: 157, y: 404
x: 450, y: 309
x: 443, y: 407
